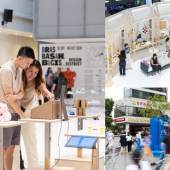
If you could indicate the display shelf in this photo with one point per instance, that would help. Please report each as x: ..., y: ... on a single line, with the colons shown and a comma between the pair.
x: 142, y: 46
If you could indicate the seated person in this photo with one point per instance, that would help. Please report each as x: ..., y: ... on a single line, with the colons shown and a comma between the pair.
x: 155, y: 64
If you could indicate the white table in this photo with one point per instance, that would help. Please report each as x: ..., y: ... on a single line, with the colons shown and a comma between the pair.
x: 47, y: 139
x: 95, y: 152
x: 4, y: 125
x: 81, y: 118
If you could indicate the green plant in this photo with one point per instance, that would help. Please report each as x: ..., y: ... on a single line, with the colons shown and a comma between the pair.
x: 108, y: 106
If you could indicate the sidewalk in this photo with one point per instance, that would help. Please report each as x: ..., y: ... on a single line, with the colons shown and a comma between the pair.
x: 123, y: 160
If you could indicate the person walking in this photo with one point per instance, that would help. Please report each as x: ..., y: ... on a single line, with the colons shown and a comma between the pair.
x: 166, y: 141
x: 138, y: 163
x: 123, y: 141
x: 129, y: 141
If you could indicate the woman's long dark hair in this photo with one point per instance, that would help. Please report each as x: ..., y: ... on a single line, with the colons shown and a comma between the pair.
x: 38, y: 79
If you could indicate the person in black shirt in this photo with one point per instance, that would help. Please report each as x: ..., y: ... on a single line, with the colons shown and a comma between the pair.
x: 122, y: 62
x: 155, y: 64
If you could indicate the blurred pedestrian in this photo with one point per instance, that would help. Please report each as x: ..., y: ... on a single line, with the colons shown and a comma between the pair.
x: 123, y: 141
x: 166, y: 141
x: 138, y: 163
x: 129, y: 141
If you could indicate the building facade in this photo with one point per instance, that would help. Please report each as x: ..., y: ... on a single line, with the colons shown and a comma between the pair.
x: 127, y: 112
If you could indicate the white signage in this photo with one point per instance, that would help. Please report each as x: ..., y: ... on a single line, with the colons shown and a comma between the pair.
x: 85, y: 59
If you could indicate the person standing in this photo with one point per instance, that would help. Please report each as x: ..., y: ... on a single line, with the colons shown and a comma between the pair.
x: 33, y: 84
x: 167, y: 43
x: 123, y: 141
x: 11, y: 91
x: 129, y: 141
x: 122, y: 62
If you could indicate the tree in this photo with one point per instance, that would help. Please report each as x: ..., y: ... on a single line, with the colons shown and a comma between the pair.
x: 108, y: 106
x: 156, y: 106
x: 109, y: 120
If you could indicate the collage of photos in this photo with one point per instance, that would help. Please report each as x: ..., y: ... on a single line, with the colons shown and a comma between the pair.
x: 85, y: 85
x: 52, y: 85
x: 137, y: 98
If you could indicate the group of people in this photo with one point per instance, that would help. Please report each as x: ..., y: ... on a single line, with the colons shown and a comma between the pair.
x: 21, y: 84
x: 125, y: 59
x: 54, y: 81
x: 140, y: 141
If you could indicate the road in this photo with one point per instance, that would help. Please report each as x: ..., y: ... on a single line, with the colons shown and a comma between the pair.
x: 121, y: 160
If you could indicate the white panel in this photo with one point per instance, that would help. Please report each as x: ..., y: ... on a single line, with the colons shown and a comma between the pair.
x: 71, y: 31
x: 47, y: 32
x: 71, y: 12
x: 116, y: 21
x: 69, y: 17
x: 95, y: 12
x: 95, y: 30
x: 141, y: 13
x: 47, y: 14
x: 164, y: 8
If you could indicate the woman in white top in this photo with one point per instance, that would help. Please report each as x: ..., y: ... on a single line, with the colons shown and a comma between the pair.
x: 138, y: 164
x: 34, y: 85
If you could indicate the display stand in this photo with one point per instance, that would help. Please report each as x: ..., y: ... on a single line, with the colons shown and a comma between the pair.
x: 80, y: 127
x: 47, y: 139
x: 94, y: 163
x: 4, y: 125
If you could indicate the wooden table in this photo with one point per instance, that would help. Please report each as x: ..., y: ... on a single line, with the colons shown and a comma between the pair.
x: 4, y: 125
x: 47, y: 139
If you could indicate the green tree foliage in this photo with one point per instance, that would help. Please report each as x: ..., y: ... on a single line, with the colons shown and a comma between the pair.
x: 108, y: 106
x: 157, y: 106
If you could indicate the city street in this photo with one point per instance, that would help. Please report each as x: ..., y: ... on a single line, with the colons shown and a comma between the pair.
x: 119, y: 161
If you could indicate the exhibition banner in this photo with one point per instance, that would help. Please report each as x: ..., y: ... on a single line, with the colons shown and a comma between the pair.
x: 82, y: 64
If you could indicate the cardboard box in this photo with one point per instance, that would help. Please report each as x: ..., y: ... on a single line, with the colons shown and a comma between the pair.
x: 49, y: 110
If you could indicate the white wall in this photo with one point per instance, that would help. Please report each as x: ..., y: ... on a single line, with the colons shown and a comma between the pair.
x: 69, y: 19
x: 10, y: 45
x: 22, y: 14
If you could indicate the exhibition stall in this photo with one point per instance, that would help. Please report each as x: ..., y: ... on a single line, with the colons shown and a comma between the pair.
x: 116, y: 36
x: 83, y: 111
x: 140, y: 27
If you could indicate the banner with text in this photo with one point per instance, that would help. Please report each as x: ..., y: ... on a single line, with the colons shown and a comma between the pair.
x: 82, y: 62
